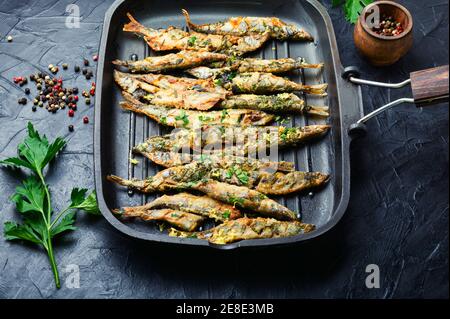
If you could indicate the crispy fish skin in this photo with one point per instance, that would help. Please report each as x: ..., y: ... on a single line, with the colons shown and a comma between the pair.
x: 171, y: 61
x: 194, y: 176
x: 171, y: 159
x: 247, y: 228
x: 245, y: 198
x: 176, y: 39
x: 240, y: 26
x: 199, y: 205
x: 267, y: 83
x: 254, y: 65
x: 266, y: 178
x: 180, y: 219
x: 275, y: 65
x: 279, y: 103
x: 170, y: 91
x: 291, y: 182
x: 238, y: 141
x: 189, y: 118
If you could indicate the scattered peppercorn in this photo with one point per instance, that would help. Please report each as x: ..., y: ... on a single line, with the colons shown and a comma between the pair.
x: 27, y: 91
x: 9, y: 38
x: 88, y: 101
x: 70, y: 128
x: 35, y: 101
x: 76, y: 68
x: 95, y: 58
x: 32, y: 77
x: 75, y: 91
x: 134, y: 57
x: 33, y: 108
x: 85, y: 120
x: 22, y: 101
x: 88, y: 76
x: 84, y: 71
x: 65, y: 66
x: 54, y: 70
x: 86, y: 62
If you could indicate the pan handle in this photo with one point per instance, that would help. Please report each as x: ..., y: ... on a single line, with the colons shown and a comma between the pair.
x: 428, y: 86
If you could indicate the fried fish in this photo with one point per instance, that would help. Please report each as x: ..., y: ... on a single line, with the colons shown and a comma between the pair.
x: 172, y: 61
x: 240, y: 26
x: 171, y: 39
x: 247, y: 228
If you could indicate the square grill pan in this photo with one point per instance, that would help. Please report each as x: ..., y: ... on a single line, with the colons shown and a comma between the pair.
x: 117, y: 131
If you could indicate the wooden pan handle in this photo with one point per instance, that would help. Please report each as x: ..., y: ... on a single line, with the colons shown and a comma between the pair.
x: 430, y: 85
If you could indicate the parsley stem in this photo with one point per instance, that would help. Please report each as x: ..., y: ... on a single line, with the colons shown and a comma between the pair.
x: 51, y: 258
x: 47, y: 194
x: 58, y: 217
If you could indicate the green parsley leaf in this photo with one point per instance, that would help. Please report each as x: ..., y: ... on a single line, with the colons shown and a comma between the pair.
x: 226, y: 214
x: 80, y: 201
x: 224, y: 115
x: 30, y: 196
x: 66, y: 224
x: 183, y: 117
x: 14, y: 231
x: 353, y: 8
x: 191, y: 40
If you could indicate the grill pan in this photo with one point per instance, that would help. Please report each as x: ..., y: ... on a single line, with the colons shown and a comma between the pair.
x: 116, y: 131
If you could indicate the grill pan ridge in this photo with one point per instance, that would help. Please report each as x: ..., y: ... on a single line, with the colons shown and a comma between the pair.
x: 117, y: 131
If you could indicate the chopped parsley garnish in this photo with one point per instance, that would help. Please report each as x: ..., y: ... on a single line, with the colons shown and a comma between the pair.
x: 192, y: 40
x: 235, y: 200
x: 183, y: 117
x: 205, y: 118
x: 224, y: 115
x: 164, y: 120
x: 226, y: 214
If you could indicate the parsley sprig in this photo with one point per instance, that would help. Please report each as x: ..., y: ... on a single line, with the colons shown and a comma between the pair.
x: 40, y: 223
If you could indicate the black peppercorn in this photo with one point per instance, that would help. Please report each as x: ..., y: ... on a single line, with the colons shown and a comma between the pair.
x: 75, y: 90
x: 70, y: 128
x: 27, y: 91
x: 88, y: 76
x: 84, y: 71
x: 86, y: 62
x: 134, y: 57
x: 34, y: 108
x: 76, y: 68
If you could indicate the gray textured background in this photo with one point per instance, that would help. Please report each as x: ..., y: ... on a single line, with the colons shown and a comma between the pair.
x: 397, y: 217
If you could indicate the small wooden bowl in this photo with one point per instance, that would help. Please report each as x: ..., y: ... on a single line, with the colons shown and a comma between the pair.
x: 383, y: 50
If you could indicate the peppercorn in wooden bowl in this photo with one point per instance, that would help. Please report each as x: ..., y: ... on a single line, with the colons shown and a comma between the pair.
x: 384, y: 43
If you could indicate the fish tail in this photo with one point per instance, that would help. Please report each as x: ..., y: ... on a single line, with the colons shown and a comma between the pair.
x: 119, y: 180
x: 131, y: 99
x: 134, y: 26
x: 302, y: 64
x: 120, y: 63
x: 130, y: 106
x: 186, y: 16
x: 318, y: 89
x: 317, y: 110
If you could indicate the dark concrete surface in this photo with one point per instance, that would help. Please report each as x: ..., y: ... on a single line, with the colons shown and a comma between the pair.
x: 397, y: 217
